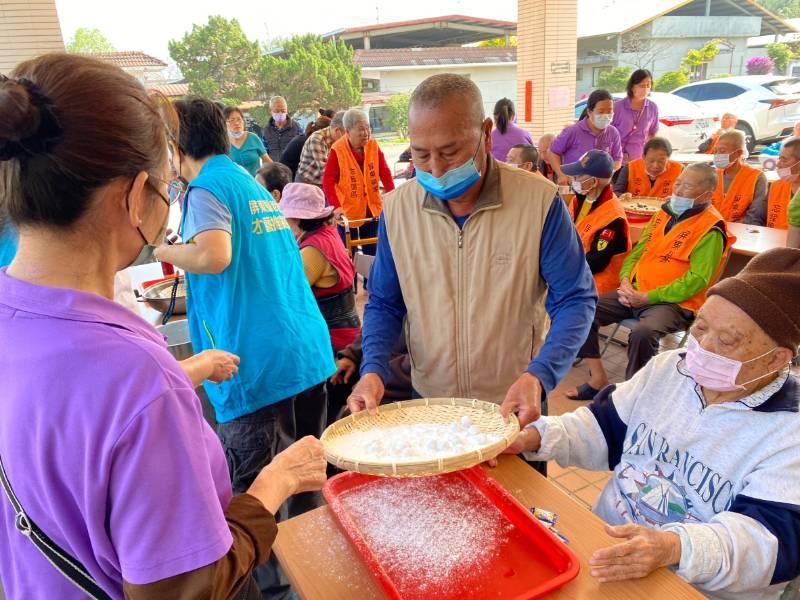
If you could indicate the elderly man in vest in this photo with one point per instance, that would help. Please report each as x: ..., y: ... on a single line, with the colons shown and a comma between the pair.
x: 600, y: 221
x: 741, y: 189
x: 355, y: 169
x: 653, y: 174
x: 281, y: 128
x: 703, y: 445
x: 775, y: 211
x: 471, y: 252
x: 665, y: 277
x: 728, y: 123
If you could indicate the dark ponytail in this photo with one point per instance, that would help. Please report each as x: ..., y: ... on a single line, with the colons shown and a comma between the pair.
x: 595, y: 97
x: 503, y: 113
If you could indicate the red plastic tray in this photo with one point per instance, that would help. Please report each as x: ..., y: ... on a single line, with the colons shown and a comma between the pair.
x: 529, y: 562
x: 151, y: 282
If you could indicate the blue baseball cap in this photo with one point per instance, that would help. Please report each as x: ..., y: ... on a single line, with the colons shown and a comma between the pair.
x: 595, y: 163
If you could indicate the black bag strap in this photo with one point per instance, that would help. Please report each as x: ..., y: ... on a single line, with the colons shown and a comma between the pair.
x: 69, y: 567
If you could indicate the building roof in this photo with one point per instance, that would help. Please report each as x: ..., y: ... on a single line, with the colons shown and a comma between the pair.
x: 448, y: 30
x: 129, y: 60
x: 610, y: 17
x: 172, y: 90
x: 425, y: 57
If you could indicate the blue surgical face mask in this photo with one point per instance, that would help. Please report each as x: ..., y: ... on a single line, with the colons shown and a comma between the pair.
x: 601, y: 121
x: 455, y: 182
x: 680, y: 204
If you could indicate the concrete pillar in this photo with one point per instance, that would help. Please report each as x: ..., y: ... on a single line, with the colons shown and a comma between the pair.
x: 367, y: 44
x: 547, y: 48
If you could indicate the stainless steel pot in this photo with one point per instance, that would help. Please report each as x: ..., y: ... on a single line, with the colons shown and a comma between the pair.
x: 178, y: 342
x: 152, y: 294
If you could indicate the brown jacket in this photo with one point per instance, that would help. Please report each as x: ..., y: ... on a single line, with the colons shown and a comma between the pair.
x: 474, y: 296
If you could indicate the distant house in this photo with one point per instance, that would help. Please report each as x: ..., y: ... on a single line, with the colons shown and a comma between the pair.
x: 657, y: 34
x: 147, y: 69
x: 27, y: 29
x: 172, y: 90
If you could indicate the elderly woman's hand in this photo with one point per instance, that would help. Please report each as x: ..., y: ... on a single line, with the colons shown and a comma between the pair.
x: 221, y: 365
x: 644, y: 551
x: 299, y: 468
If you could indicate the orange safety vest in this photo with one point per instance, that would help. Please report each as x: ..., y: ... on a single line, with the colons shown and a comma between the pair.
x: 599, y: 218
x: 639, y: 180
x: 712, y: 146
x: 357, y: 188
x: 666, y: 255
x: 780, y: 194
x: 733, y: 205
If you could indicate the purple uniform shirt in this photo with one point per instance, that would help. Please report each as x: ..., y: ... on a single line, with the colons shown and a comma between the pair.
x: 503, y: 142
x: 105, y: 445
x: 576, y: 140
x: 635, y: 126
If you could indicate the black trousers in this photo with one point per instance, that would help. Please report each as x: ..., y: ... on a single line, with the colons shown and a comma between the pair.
x: 655, y: 321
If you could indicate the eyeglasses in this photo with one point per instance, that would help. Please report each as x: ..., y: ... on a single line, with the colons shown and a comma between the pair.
x: 175, y: 189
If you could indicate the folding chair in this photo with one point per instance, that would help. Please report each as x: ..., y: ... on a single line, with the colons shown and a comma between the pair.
x: 350, y: 243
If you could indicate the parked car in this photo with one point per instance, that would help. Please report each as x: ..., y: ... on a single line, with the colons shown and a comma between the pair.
x: 683, y: 123
x: 767, y: 105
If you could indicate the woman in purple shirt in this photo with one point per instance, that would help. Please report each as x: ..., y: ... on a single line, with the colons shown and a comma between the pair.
x: 102, y: 436
x: 593, y: 131
x: 636, y: 116
x: 506, y: 134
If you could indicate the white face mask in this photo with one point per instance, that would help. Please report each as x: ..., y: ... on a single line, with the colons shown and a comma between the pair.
x: 602, y: 121
x: 236, y: 135
x: 722, y: 161
x: 582, y: 187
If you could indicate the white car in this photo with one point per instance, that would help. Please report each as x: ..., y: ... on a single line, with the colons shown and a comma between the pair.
x: 768, y: 106
x: 683, y: 123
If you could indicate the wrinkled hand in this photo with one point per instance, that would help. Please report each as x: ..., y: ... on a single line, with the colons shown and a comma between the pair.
x: 524, y: 395
x: 528, y: 440
x: 366, y: 395
x: 303, y: 464
x: 644, y: 551
x: 626, y: 196
x: 563, y: 180
x: 345, y: 369
x: 630, y: 297
x: 221, y: 365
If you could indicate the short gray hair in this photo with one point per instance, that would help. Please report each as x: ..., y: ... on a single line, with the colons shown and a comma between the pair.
x: 735, y: 136
x: 337, y: 122
x: 274, y: 99
x: 434, y: 90
x: 793, y: 144
x: 353, y: 117
x: 708, y: 175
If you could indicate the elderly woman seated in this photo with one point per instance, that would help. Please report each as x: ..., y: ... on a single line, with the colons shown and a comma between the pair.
x: 703, y: 444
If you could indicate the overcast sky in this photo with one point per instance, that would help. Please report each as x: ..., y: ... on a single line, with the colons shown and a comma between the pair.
x: 148, y: 25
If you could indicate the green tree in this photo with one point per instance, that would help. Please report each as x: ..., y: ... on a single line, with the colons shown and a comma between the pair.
x: 780, y: 54
x: 787, y: 9
x: 89, y: 41
x: 495, y: 42
x: 218, y: 60
x: 614, y: 80
x: 398, y: 113
x: 311, y: 74
x: 671, y: 80
x: 696, y: 61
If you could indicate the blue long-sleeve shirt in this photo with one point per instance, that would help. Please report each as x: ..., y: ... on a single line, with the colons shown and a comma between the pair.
x: 571, y: 301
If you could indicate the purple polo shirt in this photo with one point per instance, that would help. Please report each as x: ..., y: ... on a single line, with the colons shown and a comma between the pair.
x: 635, y: 126
x: 104, y: 442
x: 576, y: 140
x: 503, y: 142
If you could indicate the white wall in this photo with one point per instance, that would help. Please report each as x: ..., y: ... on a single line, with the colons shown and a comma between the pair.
x: 494, y: 81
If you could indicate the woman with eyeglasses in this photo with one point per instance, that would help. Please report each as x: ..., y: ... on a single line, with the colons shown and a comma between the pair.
x: 247, y: 150
x: 113, y: 484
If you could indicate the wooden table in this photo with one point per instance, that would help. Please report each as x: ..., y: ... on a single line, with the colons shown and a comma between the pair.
x: 322, y: 565
x: 754, y: 239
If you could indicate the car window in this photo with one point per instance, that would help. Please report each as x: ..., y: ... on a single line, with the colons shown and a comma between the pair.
x: 784, y: 87
x: 690, y: 93
x: 717, y: 91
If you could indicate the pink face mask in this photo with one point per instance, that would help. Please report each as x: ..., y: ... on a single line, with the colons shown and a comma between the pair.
x: 714, y: 372
x: 279, y: 117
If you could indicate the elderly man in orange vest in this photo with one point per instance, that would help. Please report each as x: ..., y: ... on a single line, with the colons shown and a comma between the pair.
x: 652, y: 175
x: 355, y: 169
x: 709, y: 145
x: 740, y: 187
x: 775, y: 211
x: 665, y: 277
x: 601, y: 222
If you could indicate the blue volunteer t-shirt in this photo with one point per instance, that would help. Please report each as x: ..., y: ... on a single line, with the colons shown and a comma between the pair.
x: 8, y: 246
x: 250, y: 153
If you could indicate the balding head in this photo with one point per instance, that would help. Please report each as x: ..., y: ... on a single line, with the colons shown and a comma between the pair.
x: 438, y: 90
x: 732, y: 141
